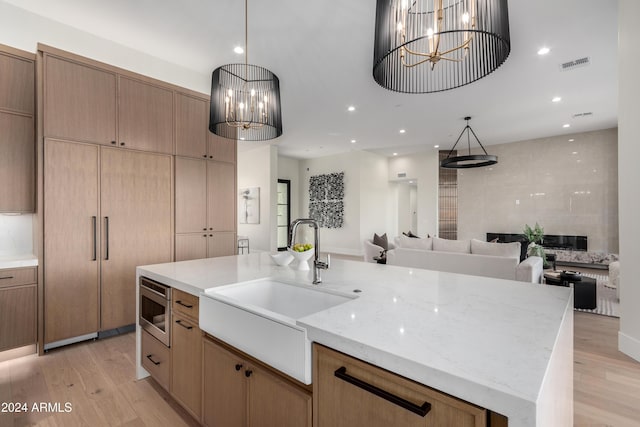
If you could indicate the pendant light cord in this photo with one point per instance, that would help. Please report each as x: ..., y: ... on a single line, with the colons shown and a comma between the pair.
x: 246, y: 38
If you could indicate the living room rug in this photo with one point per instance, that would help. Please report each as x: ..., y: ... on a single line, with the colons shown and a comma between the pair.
x: 607, y: 301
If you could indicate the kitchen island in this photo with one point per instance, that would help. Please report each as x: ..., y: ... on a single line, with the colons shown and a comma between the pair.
x: 502, y: 345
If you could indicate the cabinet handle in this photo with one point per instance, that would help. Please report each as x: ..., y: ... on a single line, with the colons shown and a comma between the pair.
x: 179, y: 322
x: 248, y: 373
x: 205, y: 156
x: 94, y: 220
x: 238, y: 366
x: 204, y: 229
x: 122, y: 144
x: 420, y: 410
x: 113, y: 142
x: 106, y: 237
x: 183, y: 304
x: 152, y: 361
x: 6, y: 277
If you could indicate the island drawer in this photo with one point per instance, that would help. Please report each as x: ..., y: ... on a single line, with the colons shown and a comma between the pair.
x: 17, y: 276
x: 155, y: 358
x: 185, y: 303
x: 348, y: 392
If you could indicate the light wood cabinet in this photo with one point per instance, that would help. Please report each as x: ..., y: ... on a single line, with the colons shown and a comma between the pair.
x: 17, y: 307
x: 135, y: 197
x: 145, y: 116
x: 221, y: 149
x: 205, y: 208
x: 350, y: 393
x: 155, y: 358
x: 71, y: 240
x: 79, y: 101
x: 186, y: 348
x: 17, y: 130
x: 106, y: 211
x: 239, y: 393
x: 192, y: 126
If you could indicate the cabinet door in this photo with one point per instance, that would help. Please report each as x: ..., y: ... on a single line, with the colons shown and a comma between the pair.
x: 136, y: 225
x: 71, y: 240
x: 222, y: 149
x: 17, y: 316
x: 192, y: 126
x: 17, y: 163
x: 79, y: 102
x: 186, y: 363
x: 191, y: 246
x: 221, y: 196
x: 225, y: 390
x: 155, y: 357
x: 340, y: 403
x: 17, y: 84
x: 222, y: 243
x: 274, y: 402
x: 145, y: 116
x: 191, y: 195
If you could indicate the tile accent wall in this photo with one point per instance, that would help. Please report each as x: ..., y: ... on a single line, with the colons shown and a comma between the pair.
x: 447, y: 200
x: 567, y: 187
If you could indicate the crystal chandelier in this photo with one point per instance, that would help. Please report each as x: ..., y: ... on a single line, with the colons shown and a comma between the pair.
x: 245, y: 100
x: 460, y: 40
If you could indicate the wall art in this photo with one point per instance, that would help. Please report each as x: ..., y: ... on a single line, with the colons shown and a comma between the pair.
x: 326, y: 199
x: 249, y: 205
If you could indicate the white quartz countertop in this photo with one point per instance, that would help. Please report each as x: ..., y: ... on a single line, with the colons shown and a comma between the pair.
x: 487, y: 341
x: 18, y: 261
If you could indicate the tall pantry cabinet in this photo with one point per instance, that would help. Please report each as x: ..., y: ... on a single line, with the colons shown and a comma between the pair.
x: 107, y: 193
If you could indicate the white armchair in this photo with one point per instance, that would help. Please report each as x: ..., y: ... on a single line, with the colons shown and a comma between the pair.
x: 371, y: 250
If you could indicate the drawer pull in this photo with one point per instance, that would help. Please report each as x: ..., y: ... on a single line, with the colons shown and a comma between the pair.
x: 179, y: 322
x: 184, y: 305
x: 7, y: 277
x: 420, y: 410
x: 152, y: 361
x: 238, y: 366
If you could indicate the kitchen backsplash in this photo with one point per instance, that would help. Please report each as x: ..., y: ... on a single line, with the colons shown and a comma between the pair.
x: 16, y: 235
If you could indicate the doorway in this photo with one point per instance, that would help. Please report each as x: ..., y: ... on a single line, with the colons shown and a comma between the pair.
x: 284, y: 212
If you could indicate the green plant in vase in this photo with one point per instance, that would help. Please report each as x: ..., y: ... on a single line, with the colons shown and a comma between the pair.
x: 535, y: 237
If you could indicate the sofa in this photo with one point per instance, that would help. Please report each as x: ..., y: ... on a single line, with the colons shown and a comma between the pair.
x: 473, y: 257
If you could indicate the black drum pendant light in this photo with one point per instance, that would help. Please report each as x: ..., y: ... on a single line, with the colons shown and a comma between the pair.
x: 470, y: 160
x: 424, y: 46
x: 245, y: 100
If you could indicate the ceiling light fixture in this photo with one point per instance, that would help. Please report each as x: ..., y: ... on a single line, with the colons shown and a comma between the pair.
x: 566, y: 125
x: 436, y: 146
x: 460, y: 41
x: 571, y: 140
x: 556, y: 99
x: 351, y: 108
x: 470, y: 160
x: 353, y: 141
x: 245, y: 99
x: 402, y: 131
x: 239, y: 50
x: 395, y: 154
x: 543, y: 51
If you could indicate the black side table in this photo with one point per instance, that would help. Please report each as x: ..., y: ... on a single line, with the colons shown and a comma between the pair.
x: 584, y: 290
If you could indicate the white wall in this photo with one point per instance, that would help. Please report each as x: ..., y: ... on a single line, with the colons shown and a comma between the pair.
x: 24, y: 30
x: 16, y: 235
x: 629, y: 176
x: 289, y: 168
x: 374, y: 195
x: 258, y: 168
x: 568, y: 187
x: 424, y: 168
x: 404, y: 217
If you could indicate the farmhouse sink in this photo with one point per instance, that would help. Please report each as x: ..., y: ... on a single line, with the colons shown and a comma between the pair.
x: 259, y: 318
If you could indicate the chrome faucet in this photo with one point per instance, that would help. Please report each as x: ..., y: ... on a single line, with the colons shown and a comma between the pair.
x: 317, y: 264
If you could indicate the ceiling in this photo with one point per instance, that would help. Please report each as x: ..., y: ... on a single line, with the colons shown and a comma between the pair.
x: 322, y: 52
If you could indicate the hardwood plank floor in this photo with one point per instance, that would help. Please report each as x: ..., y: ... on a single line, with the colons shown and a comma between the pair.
x: 98, y: 379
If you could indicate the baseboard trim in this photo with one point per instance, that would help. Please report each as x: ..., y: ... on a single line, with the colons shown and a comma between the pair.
x: 629, y: 345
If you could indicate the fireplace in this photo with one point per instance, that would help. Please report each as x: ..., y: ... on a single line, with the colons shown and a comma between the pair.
x: 551, y: 241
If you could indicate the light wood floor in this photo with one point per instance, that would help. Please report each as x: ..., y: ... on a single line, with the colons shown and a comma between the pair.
x: 98, y: 379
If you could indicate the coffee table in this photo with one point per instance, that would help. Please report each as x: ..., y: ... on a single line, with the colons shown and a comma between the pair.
x: 584, y: 289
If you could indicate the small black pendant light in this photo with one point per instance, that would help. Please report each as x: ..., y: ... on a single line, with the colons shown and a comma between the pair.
x: 470, y: 160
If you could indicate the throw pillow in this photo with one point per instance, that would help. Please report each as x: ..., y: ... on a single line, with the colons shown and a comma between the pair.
x: 381, y: 241
x: 510, y: 250
x: 414, y: 243
x: 494, y: 240
x: 410, y: 234
x: 446, y: 245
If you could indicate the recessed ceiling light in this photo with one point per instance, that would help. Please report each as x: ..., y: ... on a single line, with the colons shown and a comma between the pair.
x: 242, y: 138
x: 351, y: 108
x: 239, y: 50
x: 575, y: 152
x: 353, y: 141
x: 571, y: 140
x: 402, y: 131
x: 436, y: 146
x: 395, y: 154
x: 566, y: 125
x: 410, y: 182
x: 556, y: 99
x: 543, y: 51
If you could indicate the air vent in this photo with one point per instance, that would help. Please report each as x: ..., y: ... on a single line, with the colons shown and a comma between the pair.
x: 402, y: 175
x: 578, y: 115
x: 576, y: 63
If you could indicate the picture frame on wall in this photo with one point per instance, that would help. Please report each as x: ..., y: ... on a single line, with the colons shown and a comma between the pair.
x: 249, y: 205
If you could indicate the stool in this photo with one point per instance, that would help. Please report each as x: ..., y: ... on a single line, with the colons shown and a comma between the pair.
x: 584, y: 293
x: 243, y: 243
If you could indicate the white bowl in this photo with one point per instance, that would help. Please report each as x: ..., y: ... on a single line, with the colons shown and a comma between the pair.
x: 302, y: 258
x: 282, y: 258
